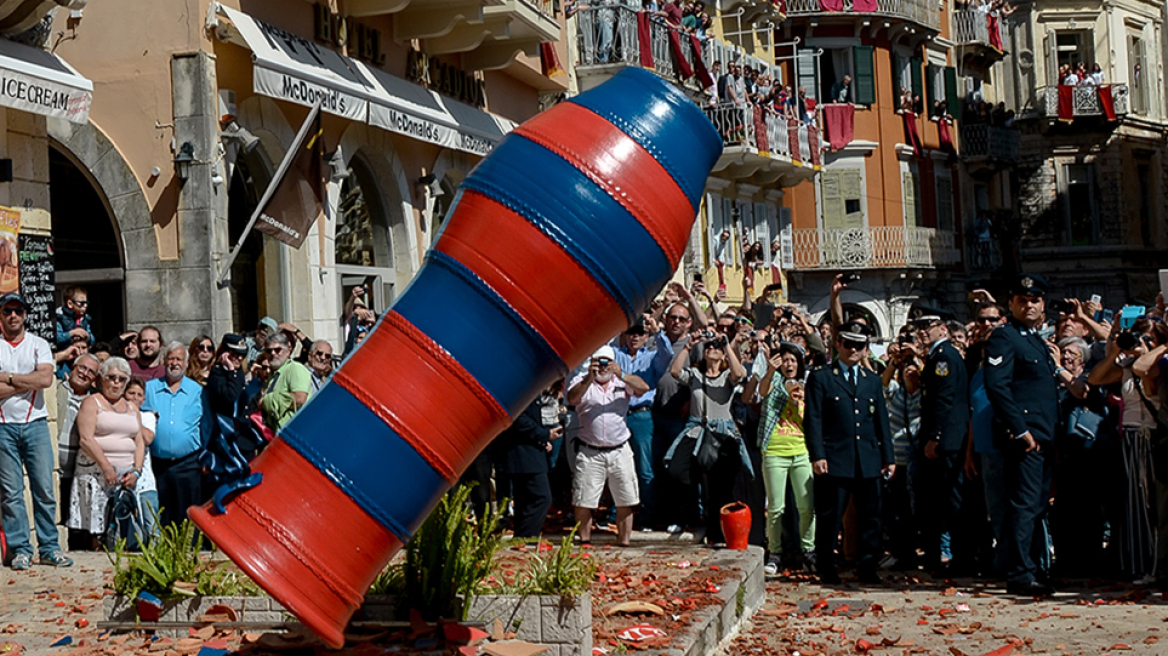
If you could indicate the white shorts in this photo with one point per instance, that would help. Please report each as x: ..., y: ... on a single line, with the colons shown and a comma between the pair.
x: 592, y: 468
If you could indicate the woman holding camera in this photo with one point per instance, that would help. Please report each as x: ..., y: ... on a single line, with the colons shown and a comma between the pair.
x: 784, y: 453
x: 1136, y: 534
x: 712, y: 385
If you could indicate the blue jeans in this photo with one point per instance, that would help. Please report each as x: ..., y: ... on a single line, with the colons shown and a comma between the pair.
x: 27, y: 446
x: 641, y: 439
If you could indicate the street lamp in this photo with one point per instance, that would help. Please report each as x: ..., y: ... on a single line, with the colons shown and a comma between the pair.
x: 183, y: 161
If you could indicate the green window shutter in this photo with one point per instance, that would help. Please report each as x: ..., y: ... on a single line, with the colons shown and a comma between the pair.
x: 865, y: 69
x: 895, y: 61
x: 951, y: 96
x: 931, y: 90
x: 915, y: 65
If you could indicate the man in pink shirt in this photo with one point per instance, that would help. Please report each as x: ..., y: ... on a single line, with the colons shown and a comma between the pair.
x: 602, y: 452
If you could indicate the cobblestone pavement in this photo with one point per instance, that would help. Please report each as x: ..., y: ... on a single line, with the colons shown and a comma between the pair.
x: 916, y: 615
x: 40, y: 605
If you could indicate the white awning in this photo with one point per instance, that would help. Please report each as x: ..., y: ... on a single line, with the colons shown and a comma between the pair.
x: 37, y: 81
x: 289, y: 67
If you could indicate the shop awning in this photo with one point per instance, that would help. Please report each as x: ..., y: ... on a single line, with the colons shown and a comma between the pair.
x: 292, y: 68
x: 37, y: 81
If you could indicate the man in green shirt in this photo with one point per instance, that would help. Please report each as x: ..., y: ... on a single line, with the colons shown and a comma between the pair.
x: 288, y: 388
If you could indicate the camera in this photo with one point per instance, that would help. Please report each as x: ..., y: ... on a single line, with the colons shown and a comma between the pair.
x: 718, y: 343
x: 753, y: 334
x: 708, y: 334
x: 850, y: 277
x: 1062, y: 306
x: 1127, y: 340
x: 907, y: 338
x: 603, y: 362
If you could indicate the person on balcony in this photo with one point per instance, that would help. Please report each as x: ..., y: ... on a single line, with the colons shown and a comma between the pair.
x: 1096, y: 76
x: 671, y: 13
x: 841, y: 91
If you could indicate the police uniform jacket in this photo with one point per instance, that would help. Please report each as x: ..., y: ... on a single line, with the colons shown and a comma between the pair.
x: 945, y: 398
x: 846, y: 427
x: 1020, y: 384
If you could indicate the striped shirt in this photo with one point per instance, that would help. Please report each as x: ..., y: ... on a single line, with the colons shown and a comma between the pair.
x: 904, y: 418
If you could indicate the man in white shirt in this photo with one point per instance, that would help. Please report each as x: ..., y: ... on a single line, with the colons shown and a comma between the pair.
x: 602, y: 452
x: 26, y: 370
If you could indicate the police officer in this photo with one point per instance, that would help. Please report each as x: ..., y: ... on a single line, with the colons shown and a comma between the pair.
x: 1020, y: 383
x: 846, y: 427
x: 944, y: 425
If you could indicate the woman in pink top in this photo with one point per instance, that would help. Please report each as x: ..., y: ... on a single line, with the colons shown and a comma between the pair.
x: 112, y: 449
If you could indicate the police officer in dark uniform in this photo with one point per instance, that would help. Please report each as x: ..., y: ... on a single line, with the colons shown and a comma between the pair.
x: 944, y: 426
x: 1022, y: 390
x: 845, y: 423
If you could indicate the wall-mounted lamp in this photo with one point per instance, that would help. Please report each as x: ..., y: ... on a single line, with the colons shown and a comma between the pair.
x: 183, y: 161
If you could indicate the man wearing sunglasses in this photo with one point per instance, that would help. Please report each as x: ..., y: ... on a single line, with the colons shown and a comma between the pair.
x: 1023, y: 393
x: 846, y: 428
x: 288, y: 388
x: 944, y: 423
x: 26, y: 369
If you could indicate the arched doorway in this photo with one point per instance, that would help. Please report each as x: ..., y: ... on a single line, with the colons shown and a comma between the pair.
x: 365, y: 253
x: 248, y: 272
x: 87, y: 248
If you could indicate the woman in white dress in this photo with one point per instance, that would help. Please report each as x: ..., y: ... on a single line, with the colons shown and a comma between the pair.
x: 112, y: 449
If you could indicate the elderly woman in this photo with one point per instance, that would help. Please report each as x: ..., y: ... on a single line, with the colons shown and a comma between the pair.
x: 200, y: 356
x: 112, y: 449
x: 712, y: 385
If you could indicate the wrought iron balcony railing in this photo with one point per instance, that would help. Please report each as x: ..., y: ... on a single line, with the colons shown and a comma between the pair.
x: 771, y: 134
x: 608, y: 36
x: 971, y: 27
x: 990, y: 142
x: 922, y: 12
x: 1085, y: 100
x: 877, y: 247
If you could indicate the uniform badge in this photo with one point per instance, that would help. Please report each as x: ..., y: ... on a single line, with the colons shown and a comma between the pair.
x: 942, y: 369
x: 1027, y: 282
x: 995, y: 361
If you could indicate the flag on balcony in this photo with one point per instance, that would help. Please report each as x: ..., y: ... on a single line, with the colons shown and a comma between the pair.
x: 911, y: 134
x: 946, y: 136
x: 995, y: 32
x: 684, y: 71
x: 761, y: 138
x: 793, y: 140
x: 781, y: 6
x: 813, y: 144
x: 703, y: 73
x: 549, y: 61
x: 864, y: 6
x: 645, y: 39
x: 831, y: 5
x: 1066, y: 103
x: 1107, y: 101
x: 840, y: 121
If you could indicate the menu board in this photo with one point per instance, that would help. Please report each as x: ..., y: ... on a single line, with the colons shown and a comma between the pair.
x: 36, y: 284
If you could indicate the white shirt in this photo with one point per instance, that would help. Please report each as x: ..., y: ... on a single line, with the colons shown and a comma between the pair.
x: 23, y: 358
x: 602, y: 412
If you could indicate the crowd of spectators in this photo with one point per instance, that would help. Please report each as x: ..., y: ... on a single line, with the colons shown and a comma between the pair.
x: 980, y: 112
x: 146, y: 427
x: 1077, y: 74
x: 745, y: 86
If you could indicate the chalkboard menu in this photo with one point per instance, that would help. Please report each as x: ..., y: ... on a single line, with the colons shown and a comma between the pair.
x: 36, y: 284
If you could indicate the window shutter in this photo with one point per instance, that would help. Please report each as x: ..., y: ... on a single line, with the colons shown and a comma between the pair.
x: 833, y: 200
x: 865, y: 69
x: 944, y: 203
x: 713, y: 223
x: 852, y: 189
x: 762, y: 232
x: 807, y: 73
x: 896, y: 81
x: 951, y: 96
x: 910, y: 200
x: 932, y: 93
x: 786, y: 240
x: 915, y: 67
x: 1052, y: 61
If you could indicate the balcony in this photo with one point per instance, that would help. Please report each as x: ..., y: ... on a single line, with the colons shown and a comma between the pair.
x: 921, y: 12
x: 972, y: 35
x: 990, y: 143
x: 1085, y: 101
x: 753, y: 10
x: 763, y: 148
x: 878, y: 247
x: 490, y: 33
x: 608, y: 40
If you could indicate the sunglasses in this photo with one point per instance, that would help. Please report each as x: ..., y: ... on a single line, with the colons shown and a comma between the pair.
x: 988, y: 319
x: 853, y: 345
x: 7, y: 311
x: 117, y: 379
x: 204, y: 347
x: 79, y: 303
x: 273, y: 350
x: 676, y: 317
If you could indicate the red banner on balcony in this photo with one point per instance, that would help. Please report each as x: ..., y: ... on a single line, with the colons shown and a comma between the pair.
x: 910, y: 130
x: 704, y: 76
x: 549, y: 61
x: 645, y: 38
x: 684, y: 71
x: 995, y: 32
x: 761, y: 138
x: 840, y: 121
x: 813, y: 143
x: 946, y: 136
x: 831, y: 5
x: 864, y: 6
x: 793, y: 140
x: 1066, y: 103
x: 1107, y: 101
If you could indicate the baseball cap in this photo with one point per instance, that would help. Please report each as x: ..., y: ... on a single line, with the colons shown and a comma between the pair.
x: 604, y: 352
x: 13, y: 297
x: 270, y: 323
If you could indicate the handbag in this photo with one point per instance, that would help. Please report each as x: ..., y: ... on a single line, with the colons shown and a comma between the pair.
x: 1083, y: 424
